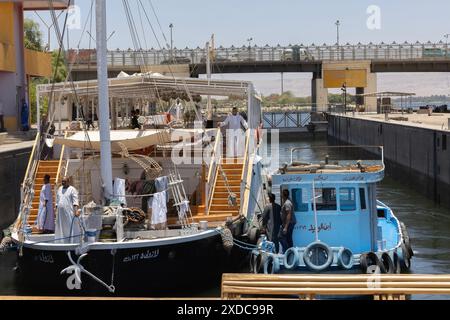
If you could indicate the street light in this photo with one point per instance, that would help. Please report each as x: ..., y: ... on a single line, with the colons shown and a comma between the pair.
x: 48, y: 27
x: 344, y: 91
x: 446, y: 44
x: 337, y: 31
x: 249, y: 42
x: 171, y: 41
x: 249, y: 48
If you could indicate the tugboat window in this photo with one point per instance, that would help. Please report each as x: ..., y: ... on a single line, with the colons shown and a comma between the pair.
x: 300, y: 200
x: 362, y: 197
x: 347, y: 198
x: 325, y: 199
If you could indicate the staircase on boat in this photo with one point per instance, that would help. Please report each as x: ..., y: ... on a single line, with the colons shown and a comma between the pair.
x: 228, y: 180
x: 49, y: 167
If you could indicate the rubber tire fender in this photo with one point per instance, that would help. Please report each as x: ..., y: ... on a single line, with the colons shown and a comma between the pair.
x: 405, y: 259
x: 254, y: 234
x: 370, y: 259
x: 406, y: 239
x: 272, y: 262
x: 341, y: 263
x: 396, y: 261
x: 322, y: 245
x: 253, y: 262
x: 387, y: 263
x: 259, y: 263
x: 291, y: 252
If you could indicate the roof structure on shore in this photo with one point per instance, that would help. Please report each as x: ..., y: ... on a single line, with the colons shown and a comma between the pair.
x: 387, y: 94
x: 44, y: 4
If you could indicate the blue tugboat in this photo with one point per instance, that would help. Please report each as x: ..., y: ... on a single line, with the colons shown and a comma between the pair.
x: 340, y: 225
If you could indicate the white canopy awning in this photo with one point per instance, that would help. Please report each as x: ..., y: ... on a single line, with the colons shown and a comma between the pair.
x: 131, y: 139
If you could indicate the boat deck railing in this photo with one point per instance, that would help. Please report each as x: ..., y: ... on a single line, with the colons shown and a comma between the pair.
x: 308, y: 287
x: 340, y: 157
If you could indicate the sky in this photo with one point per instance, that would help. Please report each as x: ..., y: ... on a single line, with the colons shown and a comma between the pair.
x: 267, y: 22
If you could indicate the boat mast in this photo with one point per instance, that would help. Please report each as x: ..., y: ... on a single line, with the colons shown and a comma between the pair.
x: 209, y: 48
x: 103, y: 99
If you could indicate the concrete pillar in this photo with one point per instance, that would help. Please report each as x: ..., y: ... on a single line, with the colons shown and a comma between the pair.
x: 319, y: 94
x: 371, y: 102
x: 21, y: 80
x: 359, y: 99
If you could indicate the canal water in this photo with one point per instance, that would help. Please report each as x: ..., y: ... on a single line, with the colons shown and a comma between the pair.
x: 428, y: 225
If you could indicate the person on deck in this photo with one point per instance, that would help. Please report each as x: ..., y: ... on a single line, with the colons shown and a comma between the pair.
x: 271, y: 221
x: 235, y: 143
x: 179, y: 111
x: 288, y: 221
x: 45, y: 221
x: 134, y: 119
x: 68, y: 225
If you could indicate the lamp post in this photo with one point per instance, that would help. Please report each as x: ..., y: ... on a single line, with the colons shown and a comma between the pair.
x: 48, y: 27
x: 337, y: 32
x: 171, y: 41
x: 446, y: 44
x: 249, y: 47
x: 344, y: 91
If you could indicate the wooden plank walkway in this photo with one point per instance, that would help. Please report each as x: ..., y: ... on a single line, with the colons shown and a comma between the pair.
x: 380, y: 286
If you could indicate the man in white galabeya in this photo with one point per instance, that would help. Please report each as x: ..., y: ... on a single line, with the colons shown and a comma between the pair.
x: 68, y: 226
x: 235, y: 135
x: 45, y: 221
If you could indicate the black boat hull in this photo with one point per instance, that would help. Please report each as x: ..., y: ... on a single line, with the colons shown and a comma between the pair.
x: 168, y: 270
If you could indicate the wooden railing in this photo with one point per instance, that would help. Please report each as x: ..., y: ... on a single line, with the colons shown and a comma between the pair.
x: 216, y: 156
x: 247, y: 171
x: 301, y: 286
x: 26, y: 190
x: 32, y: 160
x: 61, y: 157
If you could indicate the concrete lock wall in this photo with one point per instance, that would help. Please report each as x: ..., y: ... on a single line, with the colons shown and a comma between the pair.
x: 12, y: 170
x: 415, y: 156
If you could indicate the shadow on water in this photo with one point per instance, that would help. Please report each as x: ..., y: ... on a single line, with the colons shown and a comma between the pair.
x: 428, y: 225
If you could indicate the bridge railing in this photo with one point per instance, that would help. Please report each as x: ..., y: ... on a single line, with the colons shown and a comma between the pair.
x: 393, y: 51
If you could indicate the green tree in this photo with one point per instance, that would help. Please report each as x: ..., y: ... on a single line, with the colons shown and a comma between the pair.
x: 59, y: 70
x: 32, y: 35
x: 33, y: 41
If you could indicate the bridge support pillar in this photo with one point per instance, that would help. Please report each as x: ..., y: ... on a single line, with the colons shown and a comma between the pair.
x: 319, y: 94
x: 371, y: 102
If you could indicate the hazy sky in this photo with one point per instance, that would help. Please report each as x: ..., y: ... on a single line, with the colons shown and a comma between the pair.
x: 273, y: 22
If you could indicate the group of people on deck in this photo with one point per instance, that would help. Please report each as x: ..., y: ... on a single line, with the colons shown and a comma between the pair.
x: 63, y: 223
x: 67, y: 208
x: 278, y: 221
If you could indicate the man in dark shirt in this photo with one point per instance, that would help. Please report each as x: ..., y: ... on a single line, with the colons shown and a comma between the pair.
x: 287, y: 221
x: 271, y: 221
x: 134, y: 119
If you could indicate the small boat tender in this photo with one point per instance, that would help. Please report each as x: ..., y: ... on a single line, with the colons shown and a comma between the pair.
x: 341, y: 226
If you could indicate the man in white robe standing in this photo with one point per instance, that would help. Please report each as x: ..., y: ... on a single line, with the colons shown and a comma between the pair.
x: 68, y: 225
x: 235, y: 135
x: 45, y: 221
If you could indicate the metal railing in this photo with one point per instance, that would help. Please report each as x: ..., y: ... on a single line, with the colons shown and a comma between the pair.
x: 370, y: 51
x: 341, y: 153
x: 277, y: 120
